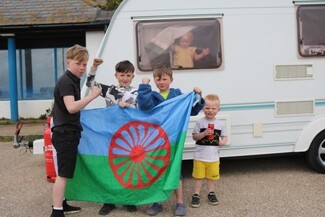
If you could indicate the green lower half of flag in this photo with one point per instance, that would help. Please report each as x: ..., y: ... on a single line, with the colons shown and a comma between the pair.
x: 123, y: 181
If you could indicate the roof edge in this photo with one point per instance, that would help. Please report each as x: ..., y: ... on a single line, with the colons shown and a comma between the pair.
x: 92, y: 3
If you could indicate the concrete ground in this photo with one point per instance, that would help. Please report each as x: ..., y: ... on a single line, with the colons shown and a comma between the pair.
x: 257, y: 187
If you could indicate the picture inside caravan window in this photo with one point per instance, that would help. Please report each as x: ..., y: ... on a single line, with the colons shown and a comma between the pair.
x: 311, y: 25
x: 180, y: 44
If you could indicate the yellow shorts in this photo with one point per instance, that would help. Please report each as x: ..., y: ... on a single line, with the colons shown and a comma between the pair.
x: 209, y: 170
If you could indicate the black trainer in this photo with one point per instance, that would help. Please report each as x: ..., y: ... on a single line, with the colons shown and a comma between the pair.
x: 67, y: 209
x: 57, y: 213
x: 212, y: 197
x: 195, y: 201
x: 106, y: 209
x: 130, y: 208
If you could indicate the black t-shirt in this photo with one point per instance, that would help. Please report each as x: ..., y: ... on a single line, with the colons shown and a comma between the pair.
x: 68, y: 85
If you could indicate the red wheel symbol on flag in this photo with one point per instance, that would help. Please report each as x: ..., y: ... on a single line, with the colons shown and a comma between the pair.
x: 138, y: 154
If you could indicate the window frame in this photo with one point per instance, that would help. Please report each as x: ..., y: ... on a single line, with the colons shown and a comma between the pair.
x: 141, y: 25
x: 307, y: 50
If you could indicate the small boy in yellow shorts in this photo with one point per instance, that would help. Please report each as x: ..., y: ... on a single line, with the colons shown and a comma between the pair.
x: 209, y: 133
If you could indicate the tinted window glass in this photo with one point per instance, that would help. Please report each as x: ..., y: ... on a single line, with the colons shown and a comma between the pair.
x: 180, y: 44
x: 37, y: 72
x: 311, y: 30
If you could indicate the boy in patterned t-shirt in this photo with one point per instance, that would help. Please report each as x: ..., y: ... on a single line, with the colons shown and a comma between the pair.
x: 122, y: 94
x: 206, y: 157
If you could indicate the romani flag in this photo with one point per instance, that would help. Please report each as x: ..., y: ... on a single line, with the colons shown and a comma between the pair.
x: 129, y: 156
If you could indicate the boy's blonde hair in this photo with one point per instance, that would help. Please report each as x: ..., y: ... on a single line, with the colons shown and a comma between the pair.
x: 212, y: 97
x: 188, y: 34
x: 162, y: 70
x: 77, y: 52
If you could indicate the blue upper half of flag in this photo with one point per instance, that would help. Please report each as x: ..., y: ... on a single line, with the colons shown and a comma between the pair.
x: 134, y: 126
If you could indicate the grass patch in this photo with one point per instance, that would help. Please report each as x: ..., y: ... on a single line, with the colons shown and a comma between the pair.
x: 4, y: 122
x: 25, y: 138
x: 23, y: 120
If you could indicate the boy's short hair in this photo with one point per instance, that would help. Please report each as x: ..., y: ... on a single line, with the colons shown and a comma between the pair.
x: 124, y: 67
x: 162, y: 70
x: 212, y: 97
x: 77, y: 52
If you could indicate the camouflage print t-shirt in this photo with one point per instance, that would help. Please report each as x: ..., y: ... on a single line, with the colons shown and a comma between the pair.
x: 114, y: 94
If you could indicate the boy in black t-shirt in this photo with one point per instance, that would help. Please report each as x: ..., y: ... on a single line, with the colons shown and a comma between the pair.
x: 66, y: 124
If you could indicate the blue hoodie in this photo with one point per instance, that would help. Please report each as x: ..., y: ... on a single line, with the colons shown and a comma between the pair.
x: 148, y: 99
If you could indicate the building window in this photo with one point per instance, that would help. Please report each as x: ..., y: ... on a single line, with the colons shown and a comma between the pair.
x: 37, y: 72
x: 180, y: 44
x: 311, y: 30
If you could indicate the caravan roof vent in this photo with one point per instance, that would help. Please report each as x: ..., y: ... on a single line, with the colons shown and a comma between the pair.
x: 290, y: 108
x: 289, y: 72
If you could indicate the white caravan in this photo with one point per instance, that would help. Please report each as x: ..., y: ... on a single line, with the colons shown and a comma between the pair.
x: 266, y: 61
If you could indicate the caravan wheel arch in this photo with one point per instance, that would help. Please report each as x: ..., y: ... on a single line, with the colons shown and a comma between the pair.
x: 309, y: 134
x: 312, y: 140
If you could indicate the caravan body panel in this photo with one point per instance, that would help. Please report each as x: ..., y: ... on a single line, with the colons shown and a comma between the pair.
x: 267, y: 109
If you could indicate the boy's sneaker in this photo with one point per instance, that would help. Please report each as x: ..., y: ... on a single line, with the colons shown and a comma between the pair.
x: 67, y: 209
x: 180, y: 210
x: 57, y: 213
x: 130, y: 208
x: 212, y: 197
x: 106, y: 209
x: 195, y: 201
x: 155, y: 209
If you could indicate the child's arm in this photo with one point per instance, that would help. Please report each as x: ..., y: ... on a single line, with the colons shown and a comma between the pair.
x: 124, y: 104
x: 90, y: 81
x: 92, y: 73
x: 145, y: 101
x: 75, y: 106
x: 204, y: 52
x: 198, y: 106
x: 223, y: 141
x: 97, y: 61
x: 198, y: 91
x: 199, y: 136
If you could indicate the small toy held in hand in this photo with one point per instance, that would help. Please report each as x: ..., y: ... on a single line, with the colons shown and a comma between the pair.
x: 211, y: 127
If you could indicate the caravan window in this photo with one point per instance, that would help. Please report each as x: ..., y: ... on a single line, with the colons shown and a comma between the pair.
x: 311, y: 30
x: 180, y: 44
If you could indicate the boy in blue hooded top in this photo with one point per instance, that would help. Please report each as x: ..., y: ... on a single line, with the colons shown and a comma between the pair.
x: 148, y: 99
x: 163, y: 77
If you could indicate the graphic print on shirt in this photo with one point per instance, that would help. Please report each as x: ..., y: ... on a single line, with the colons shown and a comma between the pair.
x: 114, y: 94
x: 210, y: 142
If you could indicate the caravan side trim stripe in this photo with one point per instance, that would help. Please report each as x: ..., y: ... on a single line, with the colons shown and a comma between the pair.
x: 257, y: 106
x: 248, y: 106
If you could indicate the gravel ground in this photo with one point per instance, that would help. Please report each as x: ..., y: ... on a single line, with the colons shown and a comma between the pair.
x: 261, y: 187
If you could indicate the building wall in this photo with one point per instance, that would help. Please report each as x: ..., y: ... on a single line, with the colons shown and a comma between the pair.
x: 36, y: 108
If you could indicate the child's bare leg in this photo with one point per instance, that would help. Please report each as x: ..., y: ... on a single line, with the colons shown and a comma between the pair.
x: 180, y: 207
x: 197, y: 186
x: 179, y: 193
x: 211, y: 185
x: 58, y: 191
